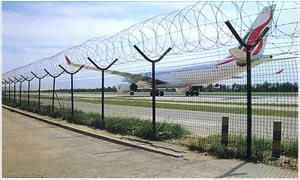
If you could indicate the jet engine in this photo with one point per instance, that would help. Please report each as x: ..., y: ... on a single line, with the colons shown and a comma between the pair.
x: 124, y: 88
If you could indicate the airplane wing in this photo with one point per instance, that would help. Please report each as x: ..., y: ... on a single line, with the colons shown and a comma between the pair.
x: 134, y: 77
x: 131, y: 77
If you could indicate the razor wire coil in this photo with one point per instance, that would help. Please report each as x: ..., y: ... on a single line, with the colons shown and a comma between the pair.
x: 195, y: 28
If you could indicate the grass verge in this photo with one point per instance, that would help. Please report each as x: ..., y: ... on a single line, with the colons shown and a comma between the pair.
x: 118, y: 125
x: 237, y: 146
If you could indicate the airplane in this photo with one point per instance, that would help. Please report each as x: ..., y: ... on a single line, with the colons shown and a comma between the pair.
x: 187, y: 78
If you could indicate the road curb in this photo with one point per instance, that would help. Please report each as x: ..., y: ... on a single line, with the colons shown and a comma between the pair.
x: 98, y: 136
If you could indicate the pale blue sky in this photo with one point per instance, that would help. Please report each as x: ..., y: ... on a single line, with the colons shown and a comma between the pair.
x: 35, y: 30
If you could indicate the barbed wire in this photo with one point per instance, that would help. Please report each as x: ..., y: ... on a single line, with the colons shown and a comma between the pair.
x: 197, y: 28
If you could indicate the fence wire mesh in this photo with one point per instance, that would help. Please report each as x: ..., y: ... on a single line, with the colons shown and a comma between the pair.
x: 197, y: 35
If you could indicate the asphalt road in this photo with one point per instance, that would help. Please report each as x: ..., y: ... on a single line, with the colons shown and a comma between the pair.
x: 35, y: 149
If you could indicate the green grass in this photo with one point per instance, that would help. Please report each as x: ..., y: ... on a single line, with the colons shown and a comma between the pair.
x: 143, y: 128
x: 199, y: 102
x: 233, y: 103
x: 191, y: 102
x: 236, y: 148
x: 289, y: 94
x: 119, y: 125
x: 191, y: 107
x: 204, y: 108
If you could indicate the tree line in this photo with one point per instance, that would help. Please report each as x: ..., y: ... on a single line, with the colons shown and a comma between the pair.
x: 262, y: 87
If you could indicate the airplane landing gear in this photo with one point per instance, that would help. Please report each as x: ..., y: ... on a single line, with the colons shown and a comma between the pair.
x: 158, y: 93
x: 131, y: 93
x: 192, y: 93
x: 161, y: 93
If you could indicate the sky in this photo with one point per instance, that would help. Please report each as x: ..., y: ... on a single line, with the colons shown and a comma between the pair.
x: 35, y: 30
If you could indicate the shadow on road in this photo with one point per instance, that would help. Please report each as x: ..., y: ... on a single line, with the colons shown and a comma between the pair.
x: 231, y: 172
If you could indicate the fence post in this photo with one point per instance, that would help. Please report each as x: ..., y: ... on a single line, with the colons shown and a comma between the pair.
x: 5, y: 90
x: 28, y: 92
x: 53, y: 90
x: 14, y: 89
x: 249, y: 86
x: 5, y: 97
x: 16, y: 80
x: 225, y: 125
x: 39, y: 90
x: 102, y: 84
x: 153, y: 90
x: 20, y: 93
x: 276, y: 144
x: 15, y: 100
x: 20, y: 96
x: 72, y: 89
x: 9, y: 90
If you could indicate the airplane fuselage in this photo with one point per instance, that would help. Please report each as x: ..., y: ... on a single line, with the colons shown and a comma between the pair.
x: 197, y: 75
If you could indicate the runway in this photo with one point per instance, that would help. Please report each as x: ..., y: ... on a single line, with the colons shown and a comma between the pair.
x: 223, y: 97
x: 199, y: 123
x: 283, y: 103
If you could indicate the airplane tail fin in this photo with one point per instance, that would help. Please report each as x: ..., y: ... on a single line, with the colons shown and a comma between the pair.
x: 263, y: 20
x: 68, y: 60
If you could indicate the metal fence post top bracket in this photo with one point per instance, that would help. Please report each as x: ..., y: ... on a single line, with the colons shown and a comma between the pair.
x: 21, y: 80
x: 65, y: 70
x: 98, y: 67
x: 17, y: 79
x: 11, y: 80
x: 152, y: 60
x: 26, y: 78
x: 23, y: 77
x: 37, y: 76
x: 53, y: 75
